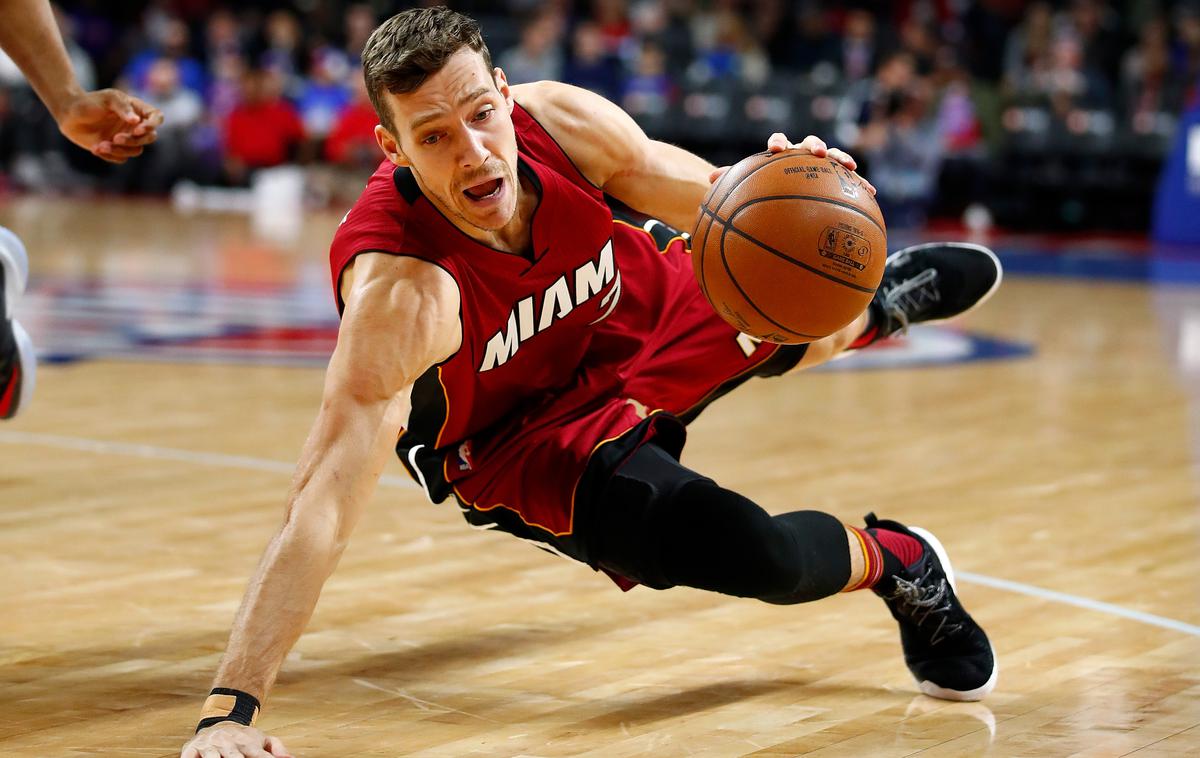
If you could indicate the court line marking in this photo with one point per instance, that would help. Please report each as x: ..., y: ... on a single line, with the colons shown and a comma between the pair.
x: 1079, y: 602
x: 156, y: 452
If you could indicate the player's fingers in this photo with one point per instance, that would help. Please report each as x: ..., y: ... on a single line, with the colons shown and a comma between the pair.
x: 814, y: 145
x: 716, y: 175
x: 104, y: 151
x: 129, y: 139
x: 190, y: 752
x: 842, y: 157
x: 119, y: 103
x: 146, y: 127
x: 116, y: 153
x: 778, y: 142
x: 275, y: 746
x: 148, y: 116
x: 211, y: 752
x: 867, y: 184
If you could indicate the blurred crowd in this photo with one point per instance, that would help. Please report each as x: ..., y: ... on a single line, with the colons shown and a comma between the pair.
x: 919, y: 88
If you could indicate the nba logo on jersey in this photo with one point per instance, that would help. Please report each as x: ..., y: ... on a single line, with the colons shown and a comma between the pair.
x: 464, y: 456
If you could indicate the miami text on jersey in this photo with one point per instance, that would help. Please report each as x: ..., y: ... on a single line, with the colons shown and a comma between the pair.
x: 563, y: 296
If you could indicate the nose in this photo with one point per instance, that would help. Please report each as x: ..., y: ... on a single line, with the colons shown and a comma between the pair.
x: 474, y: 153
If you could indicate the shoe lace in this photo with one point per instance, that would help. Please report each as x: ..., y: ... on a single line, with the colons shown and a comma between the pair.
x: 919, y: 601
x: 910, y: 296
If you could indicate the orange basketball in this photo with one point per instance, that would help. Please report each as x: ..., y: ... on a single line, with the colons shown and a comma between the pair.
x: 788, y: 247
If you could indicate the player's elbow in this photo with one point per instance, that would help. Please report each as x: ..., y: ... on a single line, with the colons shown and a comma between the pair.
x: 352, y: 392
x: 632, y: 155
x: 319, y: 534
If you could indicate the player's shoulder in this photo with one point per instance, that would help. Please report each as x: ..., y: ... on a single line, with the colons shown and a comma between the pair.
x: 378, y: 220
x: 557, y: 104
x: 593, y: 131
x: 381, y: 271
x: 379, y: 203
x: 399, y: 289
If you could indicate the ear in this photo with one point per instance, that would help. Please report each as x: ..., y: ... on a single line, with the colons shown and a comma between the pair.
x: 390, y: 146
x: 502, y: 87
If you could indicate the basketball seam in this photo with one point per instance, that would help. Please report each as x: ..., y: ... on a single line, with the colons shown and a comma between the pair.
x: 738, y: 183
x: 700, y: 252
x: 818, y: 198
x: 713, y: 213
x: 729, y: 225
x: 733, y: 280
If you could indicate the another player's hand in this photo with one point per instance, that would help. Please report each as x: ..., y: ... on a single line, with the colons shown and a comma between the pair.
x: 110, y: 124
x: 230, y: 740
x: 813, y: 145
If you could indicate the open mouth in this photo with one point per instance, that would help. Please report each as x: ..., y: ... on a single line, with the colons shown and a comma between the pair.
x: 484, y: 190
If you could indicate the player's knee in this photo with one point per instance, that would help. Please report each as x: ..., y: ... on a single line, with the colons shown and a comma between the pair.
x: 722, y: 541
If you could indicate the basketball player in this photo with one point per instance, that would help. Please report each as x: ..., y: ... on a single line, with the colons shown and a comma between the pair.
x: 537, y: 360
x: 107, y: 123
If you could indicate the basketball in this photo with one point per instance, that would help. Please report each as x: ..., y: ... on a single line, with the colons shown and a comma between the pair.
x: 788, y: 247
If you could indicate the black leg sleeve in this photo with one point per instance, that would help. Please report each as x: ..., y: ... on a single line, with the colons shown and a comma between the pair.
x: 664, y: 525
x: 719, y: 540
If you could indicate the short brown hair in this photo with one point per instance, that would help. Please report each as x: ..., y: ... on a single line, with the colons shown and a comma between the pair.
x: 410, y: 47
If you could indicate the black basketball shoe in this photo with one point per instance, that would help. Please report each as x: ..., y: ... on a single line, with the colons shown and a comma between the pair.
x: 934, y: 282
x: 18, y: 364
x: 947, y: 652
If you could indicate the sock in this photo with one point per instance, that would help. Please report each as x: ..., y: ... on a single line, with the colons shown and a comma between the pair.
x: 872, y: 558
x: 872, y: 333
x: 899, y: 550
x: 884, y: 554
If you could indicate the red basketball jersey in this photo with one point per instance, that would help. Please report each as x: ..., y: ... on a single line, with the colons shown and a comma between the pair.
x: 590, y: 315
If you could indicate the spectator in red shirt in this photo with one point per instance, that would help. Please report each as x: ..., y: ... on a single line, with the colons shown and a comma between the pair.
x: 263, y: 130
x: 351, y: 142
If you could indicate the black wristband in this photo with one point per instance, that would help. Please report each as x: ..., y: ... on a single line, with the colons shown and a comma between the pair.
x: 224, y: 704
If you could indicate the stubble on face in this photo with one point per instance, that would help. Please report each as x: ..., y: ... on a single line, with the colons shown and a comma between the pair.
x: 491, y: 168
x: 443, y: 178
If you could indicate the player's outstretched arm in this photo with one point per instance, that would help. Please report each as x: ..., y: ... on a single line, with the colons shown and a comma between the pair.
x: 401, y: 317
x: 107, y: 123
x: 655, y: 178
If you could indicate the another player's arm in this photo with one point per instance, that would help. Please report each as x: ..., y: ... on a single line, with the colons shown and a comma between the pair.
x: 30, y: 36
x: 108, y: 123
x: 656, y: 178
x: 401, y: 317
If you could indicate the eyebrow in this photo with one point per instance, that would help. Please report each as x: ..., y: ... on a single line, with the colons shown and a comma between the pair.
x: 425, y: 118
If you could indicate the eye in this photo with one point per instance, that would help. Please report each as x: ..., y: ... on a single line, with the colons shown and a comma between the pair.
x: 484, y: 114
x: 431, y: 139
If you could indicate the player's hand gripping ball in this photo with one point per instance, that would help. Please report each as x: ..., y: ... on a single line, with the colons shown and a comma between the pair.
x: 789, y: 244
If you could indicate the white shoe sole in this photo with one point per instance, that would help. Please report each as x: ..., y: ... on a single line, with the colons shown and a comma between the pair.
x: 928, y: 687
x: 27, y: 357
x: 15, y: 262
x: 16, y: 269
x: 970, y: 246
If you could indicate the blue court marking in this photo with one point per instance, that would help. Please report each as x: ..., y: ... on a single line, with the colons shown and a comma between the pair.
x: 1130, y: 259
x: 924, y: 347
x: 1164, y: 269
x: 294, y: 328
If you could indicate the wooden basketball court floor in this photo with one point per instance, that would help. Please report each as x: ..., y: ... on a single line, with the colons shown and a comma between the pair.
x: 184, y: 366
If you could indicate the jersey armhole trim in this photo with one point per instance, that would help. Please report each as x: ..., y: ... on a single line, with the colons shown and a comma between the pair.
x: 565, y: 154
